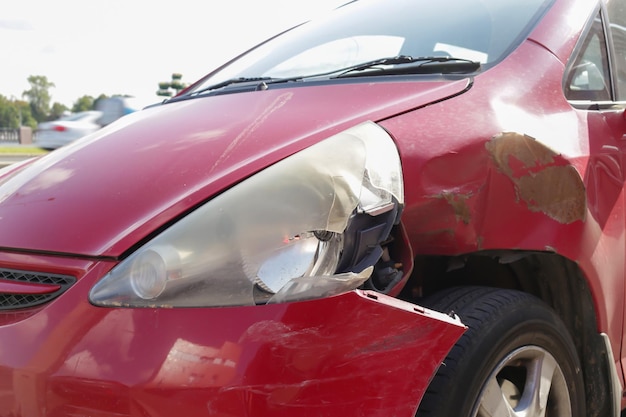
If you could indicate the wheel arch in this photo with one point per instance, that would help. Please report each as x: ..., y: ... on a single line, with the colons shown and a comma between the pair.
x: 556, y: 280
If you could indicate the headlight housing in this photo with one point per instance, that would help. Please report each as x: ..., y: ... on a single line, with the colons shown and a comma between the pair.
x: 308, y: 226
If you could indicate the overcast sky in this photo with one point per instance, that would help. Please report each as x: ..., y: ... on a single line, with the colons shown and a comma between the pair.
x: 88, y: 47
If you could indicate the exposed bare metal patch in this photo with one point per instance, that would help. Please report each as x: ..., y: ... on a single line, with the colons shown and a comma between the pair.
x: 458, y: 202
x: 544, y: 180
x: 525, y: 150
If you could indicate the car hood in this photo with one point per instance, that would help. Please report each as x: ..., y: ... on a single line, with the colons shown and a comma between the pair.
x: 103, y: 194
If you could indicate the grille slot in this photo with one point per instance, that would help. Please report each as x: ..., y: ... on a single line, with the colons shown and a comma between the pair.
x: 10, y: 301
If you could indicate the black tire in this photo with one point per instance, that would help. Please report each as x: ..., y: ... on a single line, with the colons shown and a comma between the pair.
x: 510, y: 334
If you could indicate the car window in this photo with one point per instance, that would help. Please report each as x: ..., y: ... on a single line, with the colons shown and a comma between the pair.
x: 346, y: 51
x: 617, y: 22
x: 588, y: 78
x: 476, y: 30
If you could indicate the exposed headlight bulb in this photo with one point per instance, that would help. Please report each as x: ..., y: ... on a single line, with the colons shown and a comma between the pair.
x: 302, y: 255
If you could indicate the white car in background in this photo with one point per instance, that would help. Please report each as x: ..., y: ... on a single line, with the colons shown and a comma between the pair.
x: 54, y: 134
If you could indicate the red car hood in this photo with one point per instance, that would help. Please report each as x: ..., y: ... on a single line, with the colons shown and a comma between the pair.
x: 103, y: 194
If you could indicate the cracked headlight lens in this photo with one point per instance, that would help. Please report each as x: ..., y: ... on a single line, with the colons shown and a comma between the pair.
x: 278, y: 236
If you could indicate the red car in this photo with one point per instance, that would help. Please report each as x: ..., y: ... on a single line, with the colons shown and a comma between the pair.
x: 402, y: 208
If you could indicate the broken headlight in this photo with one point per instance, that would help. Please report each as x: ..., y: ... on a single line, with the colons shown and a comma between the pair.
x: 308, y: 226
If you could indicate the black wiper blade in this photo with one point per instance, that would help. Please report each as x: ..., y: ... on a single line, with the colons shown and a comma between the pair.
x: 231, y: 81
x: 400, y: 59
x: 217, y: 86
x: 401, y: 64
x: 405, y: 64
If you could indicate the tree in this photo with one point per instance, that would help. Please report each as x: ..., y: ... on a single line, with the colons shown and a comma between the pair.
x: 39, y: 96
x: 57, y: 110
x: 25, y: 113
x: 14, y: 113
x: 173, y: 87
x: 9, y: 114
x: 84, y: 103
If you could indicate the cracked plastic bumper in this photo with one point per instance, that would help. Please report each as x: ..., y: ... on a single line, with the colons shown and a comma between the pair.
x: 356, y: 354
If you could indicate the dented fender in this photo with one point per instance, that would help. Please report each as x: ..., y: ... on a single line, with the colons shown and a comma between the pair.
x: 502, y: 186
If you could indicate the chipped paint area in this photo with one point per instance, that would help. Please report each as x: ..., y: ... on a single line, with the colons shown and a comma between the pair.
x: 459, y: 204
x: 544, y: 180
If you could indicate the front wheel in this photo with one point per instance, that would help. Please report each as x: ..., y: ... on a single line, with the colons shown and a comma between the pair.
x: 515, y: 359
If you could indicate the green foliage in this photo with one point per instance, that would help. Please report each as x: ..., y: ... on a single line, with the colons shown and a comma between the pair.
x: 84, y: 103
x: 173, y: 87
x: 57, y: 111
x: 37, y: 108
x: 27, y: 116
x: 14, y: 112
x: 9, y: 114
x: 39, y: 96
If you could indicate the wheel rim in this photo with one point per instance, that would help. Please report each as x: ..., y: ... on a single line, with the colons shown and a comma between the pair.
x: 528, y: 382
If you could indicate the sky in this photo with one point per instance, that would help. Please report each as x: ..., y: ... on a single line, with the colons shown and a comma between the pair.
x: 88, y: 47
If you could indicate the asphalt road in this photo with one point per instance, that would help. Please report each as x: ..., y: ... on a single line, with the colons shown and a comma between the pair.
x: 8, y: 159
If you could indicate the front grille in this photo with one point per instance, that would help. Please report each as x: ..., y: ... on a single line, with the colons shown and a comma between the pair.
x: 10, y: 301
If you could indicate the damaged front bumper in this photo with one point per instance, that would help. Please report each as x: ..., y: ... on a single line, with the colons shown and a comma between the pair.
x: 356, y: 354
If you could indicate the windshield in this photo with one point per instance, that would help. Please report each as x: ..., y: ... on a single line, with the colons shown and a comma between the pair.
x: 484, y: 31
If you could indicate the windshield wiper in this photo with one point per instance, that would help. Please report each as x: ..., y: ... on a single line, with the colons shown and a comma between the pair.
x: 405, y: 64
x: 217, y: 86
x: 397, y: 65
